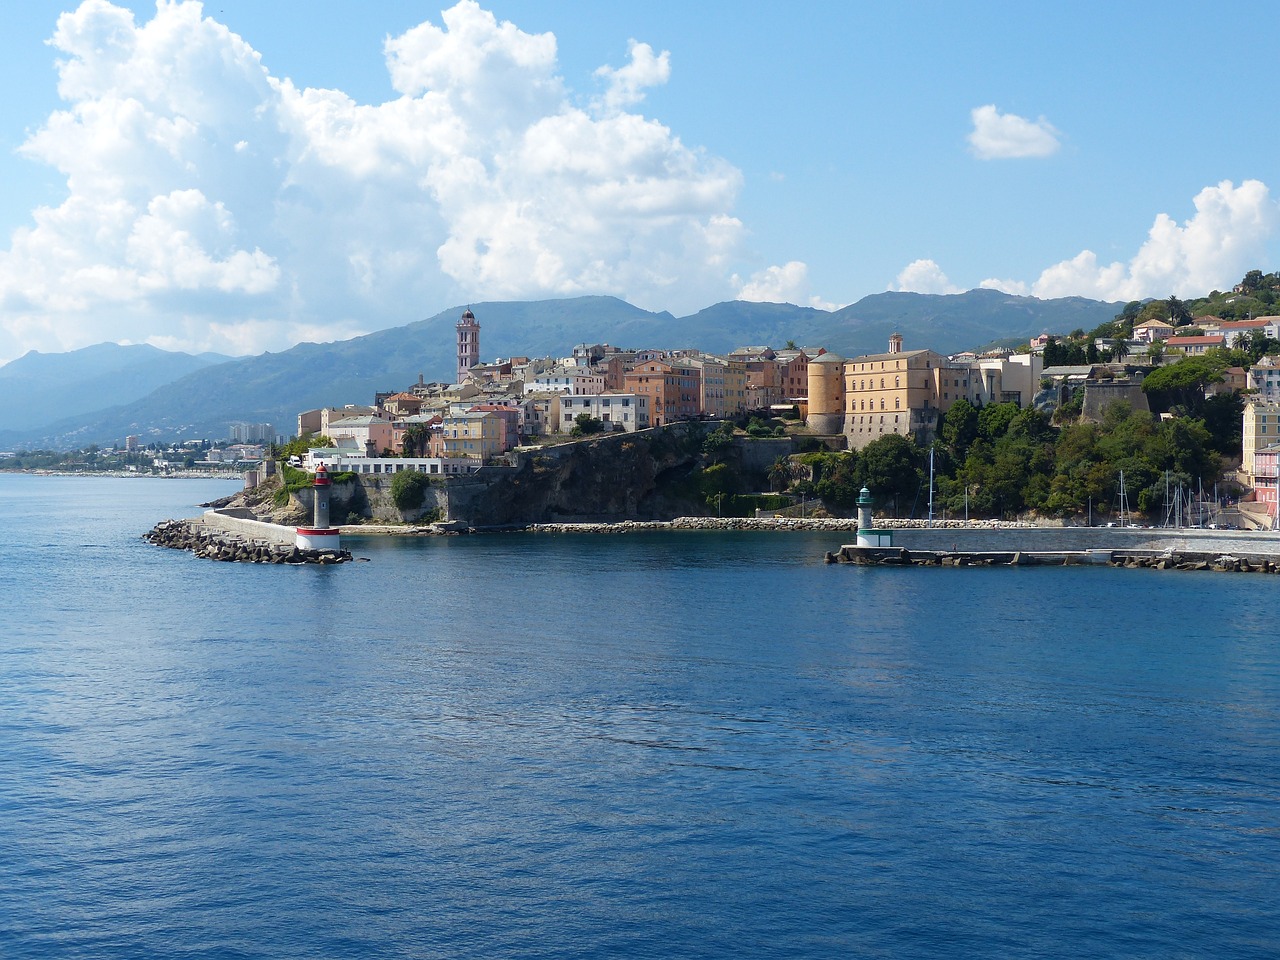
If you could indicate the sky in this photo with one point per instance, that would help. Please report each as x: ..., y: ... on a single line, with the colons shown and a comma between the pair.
x: 241, y: 176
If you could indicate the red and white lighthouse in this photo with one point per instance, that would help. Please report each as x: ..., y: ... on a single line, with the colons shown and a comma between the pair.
x: 320, y: 536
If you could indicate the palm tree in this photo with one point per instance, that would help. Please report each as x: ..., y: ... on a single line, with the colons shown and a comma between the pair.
x: 414, y: 441
x: 1178, y: 312
x: 1119, y: 349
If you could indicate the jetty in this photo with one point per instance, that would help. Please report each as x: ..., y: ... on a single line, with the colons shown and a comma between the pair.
x: 212, y: 538
x: 890, y: 556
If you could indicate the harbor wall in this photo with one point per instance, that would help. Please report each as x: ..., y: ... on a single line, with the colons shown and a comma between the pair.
x: 233, y: 520
x: 1086, y: 538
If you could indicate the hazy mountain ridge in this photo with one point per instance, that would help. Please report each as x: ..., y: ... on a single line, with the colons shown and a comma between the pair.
x: 274, y: 387
x: 38, y: 389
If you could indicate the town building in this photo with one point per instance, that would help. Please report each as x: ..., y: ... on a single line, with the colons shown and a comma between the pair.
x: 368, y: 432
x: 474, y: 435
x: 539, y: 414
x: 1196, y: 346
x: 1261, y: 428
x: 1266, y: 479
x: 673, y: 389
x: 619, y: 412
x: 318, y: 421
x: 1151, y: 331
x: 252, y: 433
x: 336, y: 460
x: 1263, y: 379
x: 905, y: 392
x: 724, y: 385
x: 567, y: 381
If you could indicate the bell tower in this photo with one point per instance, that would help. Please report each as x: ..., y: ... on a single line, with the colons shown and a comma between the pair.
x: 468, y: 344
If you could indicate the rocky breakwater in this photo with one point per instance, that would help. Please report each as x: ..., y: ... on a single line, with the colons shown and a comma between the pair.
x: 209, y: 543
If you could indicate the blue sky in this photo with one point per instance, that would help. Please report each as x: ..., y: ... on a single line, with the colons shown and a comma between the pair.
x: 182, y: 180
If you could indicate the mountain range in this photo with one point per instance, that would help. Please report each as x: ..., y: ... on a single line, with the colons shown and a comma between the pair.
x: 102, y: 393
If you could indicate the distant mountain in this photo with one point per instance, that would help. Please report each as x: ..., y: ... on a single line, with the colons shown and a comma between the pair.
x: 951, y: 323
x: 40, y: 388
x: 274, y: 387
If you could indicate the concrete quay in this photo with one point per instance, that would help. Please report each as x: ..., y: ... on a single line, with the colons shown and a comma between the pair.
x: 1132, y: 558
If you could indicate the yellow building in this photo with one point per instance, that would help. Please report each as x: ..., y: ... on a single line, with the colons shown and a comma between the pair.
x: 1261, y: 428
x: 475, y: 435
x: 902, y: 392
x: 906, y: 391
x: 724, y: 385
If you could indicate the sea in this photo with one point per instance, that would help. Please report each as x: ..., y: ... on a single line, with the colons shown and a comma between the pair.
x: 685, y: 744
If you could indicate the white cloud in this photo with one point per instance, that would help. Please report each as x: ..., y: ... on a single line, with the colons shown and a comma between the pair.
x: 627, y: 84
x: 211, y: 205
x: 1227, y: 237
x: 924, y: 276
x: 1001, y: 136
x: 1015, y: 287
x: 788, y: 283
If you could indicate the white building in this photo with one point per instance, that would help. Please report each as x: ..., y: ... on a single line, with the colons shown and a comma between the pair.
x: 573, y: 383
x: 626, y: 412
x: 345, y: 461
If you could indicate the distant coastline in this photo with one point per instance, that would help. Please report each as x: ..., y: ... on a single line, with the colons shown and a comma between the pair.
x: 120, y: 474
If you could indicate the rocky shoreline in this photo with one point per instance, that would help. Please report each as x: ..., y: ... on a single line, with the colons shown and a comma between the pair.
x: 212, y: 544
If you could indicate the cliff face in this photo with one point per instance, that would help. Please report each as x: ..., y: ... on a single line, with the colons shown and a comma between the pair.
x: 622, y: 476
x: 652, y: 475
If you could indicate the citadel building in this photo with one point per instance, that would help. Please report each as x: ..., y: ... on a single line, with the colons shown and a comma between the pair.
x: 906, y: 391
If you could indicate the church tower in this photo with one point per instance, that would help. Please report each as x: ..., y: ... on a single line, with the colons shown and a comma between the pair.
x: 468, y: 344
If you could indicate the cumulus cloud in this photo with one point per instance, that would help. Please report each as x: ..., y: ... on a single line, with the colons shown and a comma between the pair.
x: 788, y: 283
x: 1227, y: 237
x: 212, y: 205
x: 626, y: 85
x: 924, y: 276
x: 1016, y: 287
x: 1002, y: 136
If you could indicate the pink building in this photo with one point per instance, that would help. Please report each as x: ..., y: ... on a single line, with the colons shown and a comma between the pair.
x: 1266, y: 478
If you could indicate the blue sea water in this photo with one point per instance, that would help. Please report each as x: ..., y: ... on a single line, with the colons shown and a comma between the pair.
x: 681, y: 745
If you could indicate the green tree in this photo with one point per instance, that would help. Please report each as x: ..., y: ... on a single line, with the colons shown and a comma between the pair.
x: 837, y: 479
x: 409, y: 489
x: 584, y: 424
x: 994, y: 420
x: 1180, y: 386
x: 1178, y: 313
x: 959, y: 429
x: 415, y: 440
x: 891, y: 468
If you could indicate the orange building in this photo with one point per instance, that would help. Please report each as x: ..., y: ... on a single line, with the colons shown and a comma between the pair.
x: 674, y: 389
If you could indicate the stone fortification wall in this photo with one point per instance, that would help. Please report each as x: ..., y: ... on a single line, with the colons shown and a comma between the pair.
x: 1100, y: 394
x: 757, y: 456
